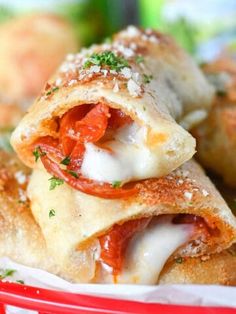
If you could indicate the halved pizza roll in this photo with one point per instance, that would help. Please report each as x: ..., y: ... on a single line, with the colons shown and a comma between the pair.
x: 216, y: 269
x: 129, y: 241
x: 108, y: 116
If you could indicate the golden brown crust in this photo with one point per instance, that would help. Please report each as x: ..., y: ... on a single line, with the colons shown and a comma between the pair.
x: 209, y: 270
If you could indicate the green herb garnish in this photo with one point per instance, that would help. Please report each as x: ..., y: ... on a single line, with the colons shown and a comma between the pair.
x: 38, y: 153
x: 221, y: 93
x: 52, y: 213
x: 116, y: 184
x: 21, y: 282
x: 107, y: 40
x: 179, y: 260
x: 107, y: 58
x: 54, y: 89
x: 66, y: 161
x: 147, y: 78
x: 139, y: 59
x: 73, y: 173
x: 7, y: 273
x: 54, y: 182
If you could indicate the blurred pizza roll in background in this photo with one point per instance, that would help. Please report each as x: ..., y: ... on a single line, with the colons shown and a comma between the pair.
x: 216, y: 135
x: 31, y: 48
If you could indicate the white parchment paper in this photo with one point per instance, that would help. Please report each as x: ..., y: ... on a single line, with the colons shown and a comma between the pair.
x: 203, y: 295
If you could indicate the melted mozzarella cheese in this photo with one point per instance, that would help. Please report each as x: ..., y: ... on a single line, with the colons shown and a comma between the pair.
x: 149, y: 250
x: 129, y: 159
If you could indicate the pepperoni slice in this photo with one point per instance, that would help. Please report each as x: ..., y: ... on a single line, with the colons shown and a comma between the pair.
x: 93, y: 126
x: 49, y: 146
x: 84, y: 185
x: 118, y: 119
x: 67, y: 130
x: 114, y: 243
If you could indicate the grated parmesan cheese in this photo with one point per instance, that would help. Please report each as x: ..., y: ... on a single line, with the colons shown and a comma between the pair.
x: 126, y: 72
x: 116, y: 88
x: 20, y: 177
x: 133, y: 88
x: 188, y: 195
x: 204, y: 192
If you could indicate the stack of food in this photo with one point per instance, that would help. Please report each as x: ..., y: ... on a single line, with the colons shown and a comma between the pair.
x: 114, y: 192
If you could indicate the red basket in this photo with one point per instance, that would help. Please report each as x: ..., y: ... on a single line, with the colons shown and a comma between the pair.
x: 50, y: 301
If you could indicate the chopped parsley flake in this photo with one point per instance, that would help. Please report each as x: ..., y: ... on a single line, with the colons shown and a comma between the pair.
x: 54, y: 89
x: 20, y: 281
x: 73, y: 173
x: 139, y: 59
x: 6, y: 273
x: 52, y: 213
x: 38, y: 153
x: 107, y: 58
x: 21, y: 202
x: 66, y: 161
x: 179, y: 260
x: 221, y: 92
x: 107, y: 40
x: 147, y: 78
x: 116, y: 184
x: 54, y: 182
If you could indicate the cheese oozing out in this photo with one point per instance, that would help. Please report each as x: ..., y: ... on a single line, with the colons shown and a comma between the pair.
x: 127, y: 159
x: 148, y: 251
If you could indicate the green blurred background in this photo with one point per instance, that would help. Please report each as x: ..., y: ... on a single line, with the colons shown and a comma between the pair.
x: 203, y: 27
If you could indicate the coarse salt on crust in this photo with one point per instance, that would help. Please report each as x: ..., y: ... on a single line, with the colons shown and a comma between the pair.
x: 104, y: 72
x: 116, y: 88
x: 95, y: 69
x: 188, y: 195
x: 72, y: 82
x: 22, y: 195
x: 58, y: 81
x: 204, y: 192
x: 132, y: 31
x: 114, y: 72
x: 127, y: 52
x: 126, y: 72
x: 20, y: 177
x: 133, y: 88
